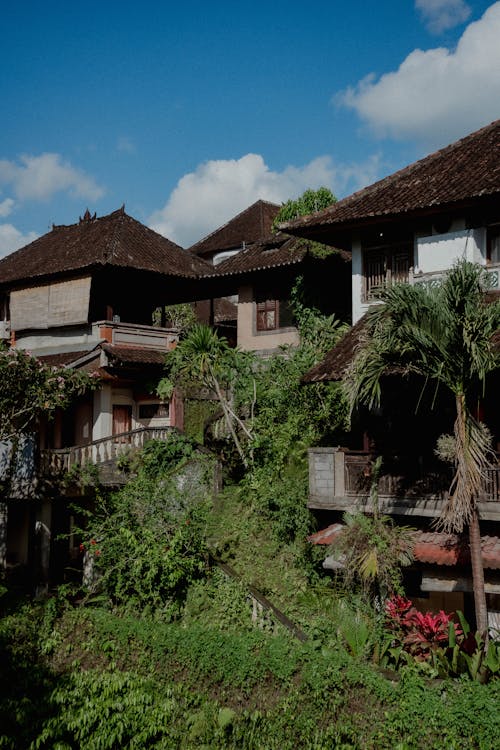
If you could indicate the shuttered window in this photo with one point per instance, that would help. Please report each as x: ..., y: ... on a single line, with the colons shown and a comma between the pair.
x: 267, y: 315
x: 383, y: 267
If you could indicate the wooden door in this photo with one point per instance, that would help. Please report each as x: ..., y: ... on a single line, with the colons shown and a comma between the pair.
x: 122, y: 422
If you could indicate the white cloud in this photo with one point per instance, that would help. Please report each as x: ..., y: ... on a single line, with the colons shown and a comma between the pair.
x: 12, y: 239
x: 40, y: 177
x: 441, y: 15
x: 218, y: 189
x: 6, y: 207
x: 436, y: 95
x: 126, y: 145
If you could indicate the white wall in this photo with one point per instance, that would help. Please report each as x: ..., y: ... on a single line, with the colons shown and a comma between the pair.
x: 432, y: 254
x: 440, y: 251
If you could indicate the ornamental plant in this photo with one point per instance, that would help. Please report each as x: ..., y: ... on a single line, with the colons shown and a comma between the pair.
x: 419, y: 634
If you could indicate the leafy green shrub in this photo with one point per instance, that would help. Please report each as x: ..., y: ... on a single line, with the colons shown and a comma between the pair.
x: 109, y: 710
x: 147, y: 541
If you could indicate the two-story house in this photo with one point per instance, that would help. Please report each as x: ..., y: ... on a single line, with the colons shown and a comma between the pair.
x: 259, y: 267
x: 83, y: 296
x: 410, y: 227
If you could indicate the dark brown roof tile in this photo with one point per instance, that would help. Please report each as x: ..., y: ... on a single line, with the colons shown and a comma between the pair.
x: 114, y: 240
x: 252, y: 224
x: 466, y: 170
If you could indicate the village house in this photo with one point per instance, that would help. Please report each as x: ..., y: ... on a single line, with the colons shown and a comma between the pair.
x: 264, y: 275
x: 84, y: 296
x: 411, y: 227
x: 259, y: 267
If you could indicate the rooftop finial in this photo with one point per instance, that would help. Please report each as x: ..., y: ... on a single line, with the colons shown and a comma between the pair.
x: 87, y: 217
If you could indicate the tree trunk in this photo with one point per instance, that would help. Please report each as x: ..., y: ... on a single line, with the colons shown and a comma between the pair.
x: 461, y: 510
x: 478, y: 575
x: 229, y: 422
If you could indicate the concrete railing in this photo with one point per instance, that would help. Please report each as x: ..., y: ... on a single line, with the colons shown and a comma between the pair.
x: 57, y: 460
x: 337, y: 478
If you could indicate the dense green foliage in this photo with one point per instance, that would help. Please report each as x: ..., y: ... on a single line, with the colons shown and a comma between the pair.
x: 217, y: 689
x: 165, y: 648
x: 146, y: 541
x: 308, y: 203
x: 30, y: 388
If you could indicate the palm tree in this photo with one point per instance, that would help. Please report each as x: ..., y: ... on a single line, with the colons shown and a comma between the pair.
x: 444, y: 334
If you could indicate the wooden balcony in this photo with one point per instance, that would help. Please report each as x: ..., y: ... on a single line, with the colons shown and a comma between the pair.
x: 56, y: 461
x: 342, y: 480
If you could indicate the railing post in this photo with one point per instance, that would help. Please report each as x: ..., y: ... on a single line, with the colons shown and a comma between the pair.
x: 338, y: 473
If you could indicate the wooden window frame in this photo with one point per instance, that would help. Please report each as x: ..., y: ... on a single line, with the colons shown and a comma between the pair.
x: 493, y: 238
x: 262, y: 309
x: 394, y: 267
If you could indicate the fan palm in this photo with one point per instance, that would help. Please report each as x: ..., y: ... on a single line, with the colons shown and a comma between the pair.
x: 443, y: 333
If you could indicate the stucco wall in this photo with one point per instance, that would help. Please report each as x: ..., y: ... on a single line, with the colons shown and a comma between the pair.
x: 432, y: 254
x: 252, y: 340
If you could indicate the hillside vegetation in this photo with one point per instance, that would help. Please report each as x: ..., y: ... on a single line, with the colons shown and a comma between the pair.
x: 168, y: 644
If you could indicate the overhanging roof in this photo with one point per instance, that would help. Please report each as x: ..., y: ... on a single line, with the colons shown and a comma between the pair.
x: 115, y: 240
x: 462, y: 173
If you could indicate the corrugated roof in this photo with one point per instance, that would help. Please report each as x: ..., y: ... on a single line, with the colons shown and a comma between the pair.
x: 113, y: 240
x: 462, y: 172
x: 252, y: 224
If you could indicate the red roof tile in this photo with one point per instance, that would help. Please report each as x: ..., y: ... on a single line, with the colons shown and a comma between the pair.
x: 465, y: 171
x: 135, y: 354
x: 61, y: 359
x: 431, y: 547
x: 113, y: 240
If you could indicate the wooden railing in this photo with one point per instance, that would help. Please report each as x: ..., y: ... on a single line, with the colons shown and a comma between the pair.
x: 358, y: 478
x: 57, y: 460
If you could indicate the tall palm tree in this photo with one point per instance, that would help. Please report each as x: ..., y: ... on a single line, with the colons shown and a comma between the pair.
x: 443, y: 333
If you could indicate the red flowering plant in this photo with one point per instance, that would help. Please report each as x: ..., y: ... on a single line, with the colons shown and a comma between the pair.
x: 418, y: 634
x: 90, y: 548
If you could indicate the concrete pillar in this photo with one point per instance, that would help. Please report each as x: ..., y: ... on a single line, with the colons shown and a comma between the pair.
x: 4, y: 515
x: 103, y: 413
x: 43, y: 544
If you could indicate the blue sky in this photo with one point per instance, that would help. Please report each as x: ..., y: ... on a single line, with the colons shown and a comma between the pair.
x: 188, y: 112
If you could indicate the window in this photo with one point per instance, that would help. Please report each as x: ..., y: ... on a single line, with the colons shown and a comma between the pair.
x: 267, y: 315
x: 153, y: 411
x: 383, y: 267
x: 493, y: 245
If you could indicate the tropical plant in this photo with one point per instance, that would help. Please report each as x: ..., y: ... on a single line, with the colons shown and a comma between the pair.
x: 444, y: 334
x: 31, y: 388
x: 206, y: 360
x: 145, y: 544
x: 373, y: 552
x: 309, y: 202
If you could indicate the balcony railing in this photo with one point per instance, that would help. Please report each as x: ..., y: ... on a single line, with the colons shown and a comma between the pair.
x: 342, y: 480
x: 58, y: 460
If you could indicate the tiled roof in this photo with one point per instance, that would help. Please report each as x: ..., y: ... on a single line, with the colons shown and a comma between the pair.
x: 458, y: 174
x: 122, y: 355
x: 114, y: 240
x: 431, y: 547
x: 61, y: 359
x: 337, y: 360
x: 252, y: 224
x: 134, y: 354
x: 272, y: 252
